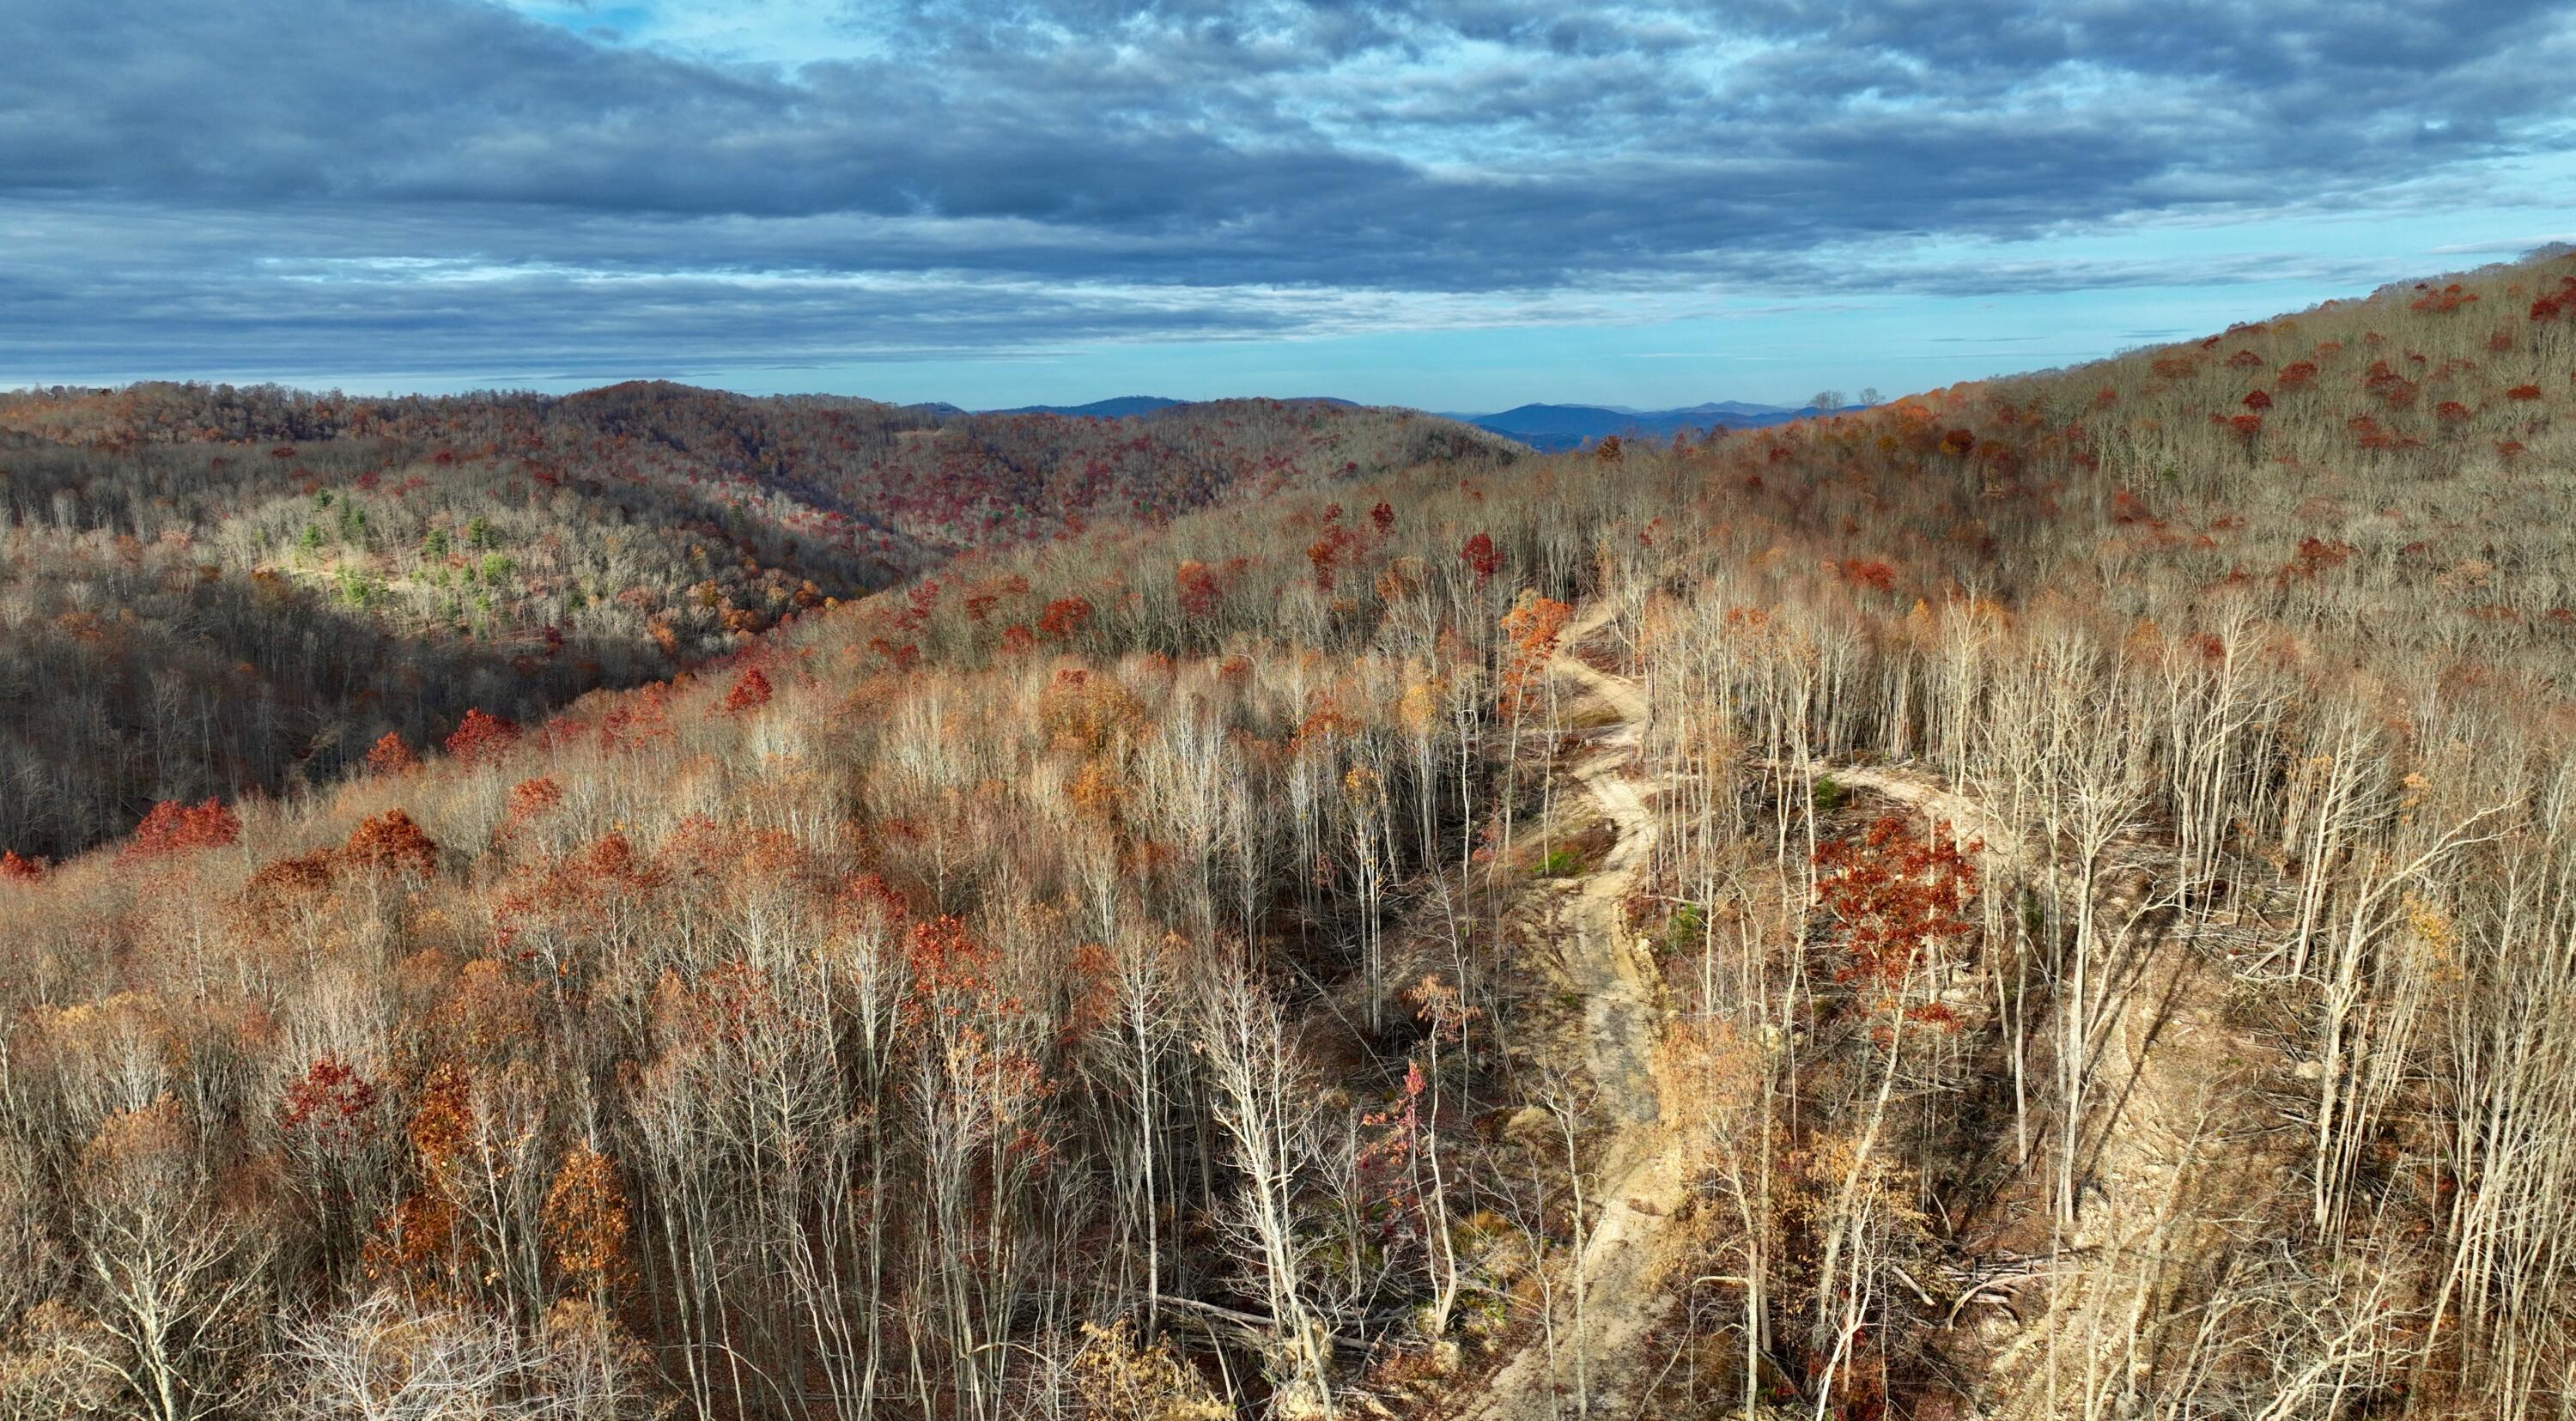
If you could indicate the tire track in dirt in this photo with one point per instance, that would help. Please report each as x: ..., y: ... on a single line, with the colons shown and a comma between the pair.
x: 2169, y: 1078
x: 1620, y: 1270
x: 1623, y: 1273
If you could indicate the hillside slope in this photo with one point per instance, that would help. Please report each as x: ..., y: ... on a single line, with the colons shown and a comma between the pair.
x: 224, y: 590
x: 2088, y: 858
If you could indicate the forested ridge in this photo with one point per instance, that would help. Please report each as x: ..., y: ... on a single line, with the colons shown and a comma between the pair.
x: 2088, y: 858
x: 208, y: 591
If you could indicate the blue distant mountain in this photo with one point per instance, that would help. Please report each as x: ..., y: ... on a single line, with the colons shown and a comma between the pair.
x: 1125, y: 406
x: 1558, y: 427
x: 1549, y: 428
x: 1119, y: 408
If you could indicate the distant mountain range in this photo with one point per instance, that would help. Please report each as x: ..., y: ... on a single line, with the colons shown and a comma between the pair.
x: 1556, y: 427
x: 1544, y: 427
x: 1126, y: 405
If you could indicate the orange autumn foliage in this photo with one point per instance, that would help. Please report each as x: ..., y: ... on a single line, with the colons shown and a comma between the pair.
x: 391, y: 843
x: 173, y: 828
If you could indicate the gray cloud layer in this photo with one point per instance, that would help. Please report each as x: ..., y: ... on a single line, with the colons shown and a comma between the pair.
x: 434, y: 185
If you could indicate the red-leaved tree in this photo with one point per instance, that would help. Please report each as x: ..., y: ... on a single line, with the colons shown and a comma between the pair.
x: 1194, y: 587
x: 390, y: 756
x: 1064, y: 618
x: 750, y: 692
x: 1480, y: 555
x: 391, y: 843
x: 481, y: 736
x: 1897, y: 895
x: 173, y: 827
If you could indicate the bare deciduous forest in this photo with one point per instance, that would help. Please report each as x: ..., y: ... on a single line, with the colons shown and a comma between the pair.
x: 2046, y: 898
x: 220, y: 590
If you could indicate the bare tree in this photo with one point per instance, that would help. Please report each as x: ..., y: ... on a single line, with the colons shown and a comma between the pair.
x: 1263, y: 1106
x: 172, y: 1277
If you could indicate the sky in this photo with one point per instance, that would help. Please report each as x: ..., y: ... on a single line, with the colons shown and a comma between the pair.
x: 1453, y: 204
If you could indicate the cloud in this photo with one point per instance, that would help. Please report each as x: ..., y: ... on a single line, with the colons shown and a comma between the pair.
x: 447, y: 184
x: 2508, y: 247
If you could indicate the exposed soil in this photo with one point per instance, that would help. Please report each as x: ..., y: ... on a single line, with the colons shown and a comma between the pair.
x: 1616, y: 1290
x: 2146, y: 1147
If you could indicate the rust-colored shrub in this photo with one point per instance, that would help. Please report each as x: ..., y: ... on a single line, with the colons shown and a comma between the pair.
x: 1195, y: 589
x: 173, y: 828
x: 1896, y: 894
x: 1064, y: 618
x: 481, y: 737
x: 531, y: 800
x: 330, y: 1101
x: 1481, y: 557
x: 390, y: 756
x: 750, y: 692
x: 391, y: 843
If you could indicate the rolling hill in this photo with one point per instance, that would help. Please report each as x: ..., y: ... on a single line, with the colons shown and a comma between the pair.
x: 1556, y: 428
x: 1116, y: 408
x: 213, y: 591
x: 2046, y: 897
x: 1124, y: 406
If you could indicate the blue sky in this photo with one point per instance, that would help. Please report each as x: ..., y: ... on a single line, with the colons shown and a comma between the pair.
x: 1456, y: 204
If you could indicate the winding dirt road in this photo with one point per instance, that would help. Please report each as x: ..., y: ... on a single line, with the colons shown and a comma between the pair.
x: 1966, y: 816
x: 1594, y: 1360
x: 1619, y: 1284
x: 1613, y: 1295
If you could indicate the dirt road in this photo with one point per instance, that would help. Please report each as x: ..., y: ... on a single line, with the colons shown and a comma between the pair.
x: 1615, y: 1291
